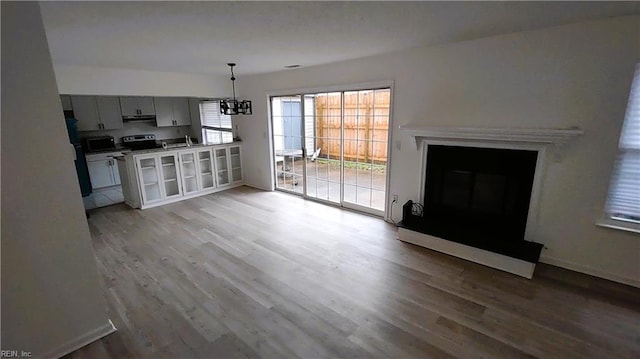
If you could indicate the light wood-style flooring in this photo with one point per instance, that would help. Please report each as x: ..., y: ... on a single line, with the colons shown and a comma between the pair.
x: 251, y: 274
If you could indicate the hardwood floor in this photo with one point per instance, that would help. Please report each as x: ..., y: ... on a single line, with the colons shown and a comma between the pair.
x: 246, y: 273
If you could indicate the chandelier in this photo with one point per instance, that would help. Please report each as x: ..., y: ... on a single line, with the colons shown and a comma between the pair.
x: 234, y: 106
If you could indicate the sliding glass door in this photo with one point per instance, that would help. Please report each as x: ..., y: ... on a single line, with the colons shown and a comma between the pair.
x: 287, y: 143
x: 365, y: 129
x: 332, y: 146
x: 323, y: 135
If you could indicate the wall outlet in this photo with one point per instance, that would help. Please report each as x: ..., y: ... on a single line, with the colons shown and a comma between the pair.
x: 394, y: 197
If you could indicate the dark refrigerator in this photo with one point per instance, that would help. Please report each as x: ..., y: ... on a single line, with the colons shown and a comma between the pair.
x: 81, y: 162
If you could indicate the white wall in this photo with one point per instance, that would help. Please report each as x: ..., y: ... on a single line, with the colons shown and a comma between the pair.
x: 51, y: 292
x: 80, y: 80
x: 574, y: 75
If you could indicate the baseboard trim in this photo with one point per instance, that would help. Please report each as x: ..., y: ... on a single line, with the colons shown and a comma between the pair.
x: 476, y: 255
x: 589, y: 270
x: 81, y: 341
x: 258, y: 187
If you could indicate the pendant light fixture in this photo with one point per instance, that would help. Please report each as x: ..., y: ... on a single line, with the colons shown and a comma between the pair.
x: 234, y: 106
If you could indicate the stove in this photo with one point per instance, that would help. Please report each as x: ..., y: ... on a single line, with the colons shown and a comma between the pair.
x: 140, y: 142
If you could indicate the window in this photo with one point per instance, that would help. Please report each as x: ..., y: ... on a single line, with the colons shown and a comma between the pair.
x: 623, y: 203
x: 216, y: 127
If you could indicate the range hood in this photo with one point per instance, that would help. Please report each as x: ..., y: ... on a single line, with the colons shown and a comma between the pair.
x: 138, y: 118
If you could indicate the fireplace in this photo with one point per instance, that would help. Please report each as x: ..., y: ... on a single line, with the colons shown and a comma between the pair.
x: 479, y: 197
x: 479, y: 193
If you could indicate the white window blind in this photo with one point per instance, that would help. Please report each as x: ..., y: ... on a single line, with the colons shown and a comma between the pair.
x: 624, y: 193
x: 216, y: 127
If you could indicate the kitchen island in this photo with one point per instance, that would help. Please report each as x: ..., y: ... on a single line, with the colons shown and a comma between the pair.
x: 159, y: 176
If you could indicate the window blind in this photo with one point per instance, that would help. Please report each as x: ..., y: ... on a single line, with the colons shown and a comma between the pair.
x: 211, y: 116
x: 216, y: 127
x: 624, y: 193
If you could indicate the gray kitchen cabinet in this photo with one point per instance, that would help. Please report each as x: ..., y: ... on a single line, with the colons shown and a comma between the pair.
x: 132, y: 106
x: 109, y: 112
x: 66, y: 102
x: 85, y: 110
x: 172, y: 111
x: 96, y: 112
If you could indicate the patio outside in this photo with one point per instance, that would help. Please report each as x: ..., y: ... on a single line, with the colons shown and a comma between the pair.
x: 364, y: 183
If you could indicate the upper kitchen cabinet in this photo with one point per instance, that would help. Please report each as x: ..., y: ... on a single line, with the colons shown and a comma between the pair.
x: 172, y: 111
x: 96, y: 112
x: 109, y: 111
x: 194, y: 109
x: 135, y: 106
x: 66, y: 102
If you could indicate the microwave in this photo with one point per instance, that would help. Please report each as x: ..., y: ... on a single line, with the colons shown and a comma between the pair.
x: 99, y: 143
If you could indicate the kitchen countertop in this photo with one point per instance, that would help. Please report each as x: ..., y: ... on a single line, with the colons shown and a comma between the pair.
x: 169, y: 149
x: 116, y: 149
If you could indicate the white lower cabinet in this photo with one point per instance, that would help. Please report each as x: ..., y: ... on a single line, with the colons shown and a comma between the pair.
x: 164, y: 177
x: 149, y: 178
x: 205, y: 169
x: 103, y: 170
x: 158, y: 177
x: 228, y: 165
x: 235, y: 163
x: 189, y: 172
x: 222, y: 166
x: 171, y: 182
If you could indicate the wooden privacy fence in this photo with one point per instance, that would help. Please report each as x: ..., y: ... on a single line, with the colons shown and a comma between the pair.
x: 366, y: 125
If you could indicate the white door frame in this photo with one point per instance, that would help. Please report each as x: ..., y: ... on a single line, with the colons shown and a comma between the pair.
x: 338, y: 88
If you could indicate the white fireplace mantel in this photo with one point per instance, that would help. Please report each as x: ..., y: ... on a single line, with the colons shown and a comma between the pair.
x: 536, y: 139
x: 557, y: 137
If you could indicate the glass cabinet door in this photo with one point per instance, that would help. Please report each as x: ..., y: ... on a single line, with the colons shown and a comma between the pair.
x: 236, y: 167
x: 205, y: 169
x: 149, y: 177
x: 188, y: 172
x: 170, y: 180
x: 222, y: 166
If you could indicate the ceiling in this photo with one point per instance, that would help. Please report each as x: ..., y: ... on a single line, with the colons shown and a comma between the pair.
x: 201, y: 37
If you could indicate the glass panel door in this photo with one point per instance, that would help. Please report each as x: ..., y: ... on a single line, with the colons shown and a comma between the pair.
x: 188, y: 172
x: 222, y: 166
x: 286, y: 117
x: 323, y: 144
x: 366, y: 128
x: 205, y: 169
x: 236, y: 163
x: 149, y: 179
x: 169, y: 173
